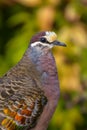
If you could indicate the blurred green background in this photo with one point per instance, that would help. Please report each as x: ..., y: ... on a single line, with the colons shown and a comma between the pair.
x: 20, y: 19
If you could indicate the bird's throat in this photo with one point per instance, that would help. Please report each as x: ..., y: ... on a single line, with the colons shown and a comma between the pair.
x: 46, y: 66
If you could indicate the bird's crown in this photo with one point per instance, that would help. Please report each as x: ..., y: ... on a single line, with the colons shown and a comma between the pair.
x: 45, y: 38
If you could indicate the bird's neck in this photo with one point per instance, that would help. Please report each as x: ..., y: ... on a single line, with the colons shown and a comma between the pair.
x: 46, y: 66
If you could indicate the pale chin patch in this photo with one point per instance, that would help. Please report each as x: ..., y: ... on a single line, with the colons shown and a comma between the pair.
x: 43, y: 44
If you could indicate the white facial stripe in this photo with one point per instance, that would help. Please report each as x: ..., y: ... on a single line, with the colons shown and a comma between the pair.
x: 43, y: 44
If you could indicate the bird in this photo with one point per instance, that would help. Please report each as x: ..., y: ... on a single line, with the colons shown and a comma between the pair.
x: 29, y: 91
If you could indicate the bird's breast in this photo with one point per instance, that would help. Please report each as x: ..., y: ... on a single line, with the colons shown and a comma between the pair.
x: 49, y: 77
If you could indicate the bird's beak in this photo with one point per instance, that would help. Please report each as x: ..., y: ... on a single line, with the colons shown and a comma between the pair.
x: 57, y: 43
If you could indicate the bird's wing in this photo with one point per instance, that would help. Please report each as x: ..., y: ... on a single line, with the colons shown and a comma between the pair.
x: 21, y: 106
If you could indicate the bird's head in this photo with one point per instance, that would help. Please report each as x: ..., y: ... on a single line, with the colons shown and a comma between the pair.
x: 45, y: 40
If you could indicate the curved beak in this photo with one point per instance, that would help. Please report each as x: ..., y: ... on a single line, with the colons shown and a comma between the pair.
x: 57, y: 43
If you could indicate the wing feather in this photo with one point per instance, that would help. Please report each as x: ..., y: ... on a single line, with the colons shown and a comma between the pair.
x: 21, y: 103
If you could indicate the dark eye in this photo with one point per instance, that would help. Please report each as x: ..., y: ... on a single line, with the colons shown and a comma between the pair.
x: 43, y: 40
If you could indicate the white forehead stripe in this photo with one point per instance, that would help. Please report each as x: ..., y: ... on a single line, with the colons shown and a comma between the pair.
x: 50, y: 33
x: 51, y: 36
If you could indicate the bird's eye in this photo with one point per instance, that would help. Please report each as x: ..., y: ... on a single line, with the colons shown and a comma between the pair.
x: 43, y: 39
